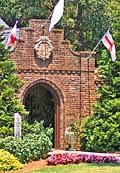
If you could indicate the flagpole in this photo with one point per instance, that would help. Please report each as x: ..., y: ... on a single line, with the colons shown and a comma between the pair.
x: 56, y: 14
x: 47, y: 20
x: 96, y: 45
x: 94, y: 49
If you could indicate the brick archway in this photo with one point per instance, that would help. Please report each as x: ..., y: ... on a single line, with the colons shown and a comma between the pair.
x: 59, y: 113
x: 66, y: 73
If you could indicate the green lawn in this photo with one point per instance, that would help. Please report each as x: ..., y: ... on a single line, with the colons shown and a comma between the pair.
x: 81, y: 168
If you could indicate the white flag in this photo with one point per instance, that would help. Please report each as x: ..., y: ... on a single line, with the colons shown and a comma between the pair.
x: 57, y: 14
x: 109, y: 44
x: 12, y: 35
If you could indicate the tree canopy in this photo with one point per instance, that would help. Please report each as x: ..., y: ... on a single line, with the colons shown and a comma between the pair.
x: 84, y: 21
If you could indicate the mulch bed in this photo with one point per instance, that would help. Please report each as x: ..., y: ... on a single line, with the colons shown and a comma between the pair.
x: 33, y: 165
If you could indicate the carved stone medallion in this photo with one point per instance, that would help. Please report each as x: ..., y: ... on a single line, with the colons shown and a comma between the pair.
x: 43, y: 48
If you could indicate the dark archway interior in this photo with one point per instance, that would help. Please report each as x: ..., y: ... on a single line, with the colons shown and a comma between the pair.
x: 41, y: 106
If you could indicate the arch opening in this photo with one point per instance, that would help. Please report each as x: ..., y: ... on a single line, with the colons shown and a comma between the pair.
x: 43, y: 104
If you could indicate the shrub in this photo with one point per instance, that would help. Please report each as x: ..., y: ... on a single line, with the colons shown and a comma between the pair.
x: 101, y: 133
x: 8, y: 161
x: 32, y: 147
x: 67, y: 158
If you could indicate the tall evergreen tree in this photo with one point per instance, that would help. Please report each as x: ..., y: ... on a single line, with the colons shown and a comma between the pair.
x: 101, y: 132
x: 9, y: 86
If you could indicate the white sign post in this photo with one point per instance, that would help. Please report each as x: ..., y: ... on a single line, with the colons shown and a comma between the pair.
x: 17, y: 125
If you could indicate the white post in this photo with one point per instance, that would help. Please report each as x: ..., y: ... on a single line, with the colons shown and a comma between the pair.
x: 17, y: 125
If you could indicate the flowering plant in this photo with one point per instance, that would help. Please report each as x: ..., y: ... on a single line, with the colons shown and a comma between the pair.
x: 67, y: 158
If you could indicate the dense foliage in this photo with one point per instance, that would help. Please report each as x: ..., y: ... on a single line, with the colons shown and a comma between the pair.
x: 67, y: 158
x: 9, y: 86
x: 101, y: 132
x: 33, y: 146
x: 8, y: 161
x: 85, y: 22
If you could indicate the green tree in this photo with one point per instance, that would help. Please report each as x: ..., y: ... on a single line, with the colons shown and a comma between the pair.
x: 9, y: 86
x: 101, y: 132
x: 84, y: 21
x: 10, y: 10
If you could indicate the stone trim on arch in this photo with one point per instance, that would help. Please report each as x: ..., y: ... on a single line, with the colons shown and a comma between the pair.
x: 47, y: 82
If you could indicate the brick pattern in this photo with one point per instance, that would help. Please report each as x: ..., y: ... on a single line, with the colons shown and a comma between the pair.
x: 68, y: 75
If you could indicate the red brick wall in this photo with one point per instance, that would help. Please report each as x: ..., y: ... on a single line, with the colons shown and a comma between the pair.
x: 70, y: 75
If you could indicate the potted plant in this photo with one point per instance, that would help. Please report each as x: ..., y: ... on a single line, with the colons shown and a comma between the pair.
x: 71, y: 135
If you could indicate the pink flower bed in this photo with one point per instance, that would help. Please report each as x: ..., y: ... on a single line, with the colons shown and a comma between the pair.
x: 67, y: 158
